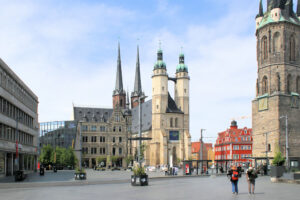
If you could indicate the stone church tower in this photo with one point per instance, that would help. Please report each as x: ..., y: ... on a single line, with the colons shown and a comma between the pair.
x: 171, y: 140
x: 278, y: 80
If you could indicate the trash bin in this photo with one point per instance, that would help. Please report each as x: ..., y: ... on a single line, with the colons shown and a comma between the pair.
x: 42, y: 171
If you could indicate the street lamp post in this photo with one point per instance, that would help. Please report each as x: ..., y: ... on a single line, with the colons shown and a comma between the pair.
x: 201, y: 149
x: 286, y: 141
x: 140, y: 129
x: 80, y: 145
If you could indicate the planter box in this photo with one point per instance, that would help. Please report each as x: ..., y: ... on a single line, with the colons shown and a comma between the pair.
x: 277, y: 171
x: 80, y: 176
x: 42, y: 171
x: 291, y: 176
x: 20, y: 176
x: 139, y: 180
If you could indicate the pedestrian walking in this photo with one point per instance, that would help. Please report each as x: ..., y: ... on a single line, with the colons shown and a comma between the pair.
x: 251, y: 175
x: 234, y: 175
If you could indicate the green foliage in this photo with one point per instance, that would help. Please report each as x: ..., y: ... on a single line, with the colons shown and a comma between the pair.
x: 101, y: 159
x: 114, y: 160
x: 46, y: 154
x: 61, y: 156
x: 138, y: 171
x: 128, y: 160
x: 143, y: 149
x: 77, y: 170
x: 278, y: 160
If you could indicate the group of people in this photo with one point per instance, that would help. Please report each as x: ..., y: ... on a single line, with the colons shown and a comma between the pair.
x: 234, y: 174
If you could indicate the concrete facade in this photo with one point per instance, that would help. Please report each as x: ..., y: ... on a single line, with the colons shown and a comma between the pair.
x: 18, y: 122
x: 278, y: 84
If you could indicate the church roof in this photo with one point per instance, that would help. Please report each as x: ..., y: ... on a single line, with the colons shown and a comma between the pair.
x: 172, y: 107
x: 146, y: 117
x: 287, y: 13
x: 88, y: 114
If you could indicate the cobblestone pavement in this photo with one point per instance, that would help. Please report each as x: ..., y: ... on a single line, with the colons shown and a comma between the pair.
x: 189, y: 188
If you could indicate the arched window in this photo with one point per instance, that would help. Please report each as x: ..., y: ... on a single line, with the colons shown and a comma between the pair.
x: 264, y: 85
x: 171, y: 122
x: 292, y: 48
x: 276, y: 43
x: 176, y: 122
x: 288, y: 84
x: 265, y: 47
x: 121, y: 102
x: 298, y: 84
x: 278, y: 82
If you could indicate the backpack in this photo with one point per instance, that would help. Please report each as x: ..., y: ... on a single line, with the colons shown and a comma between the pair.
x: 235, y: 176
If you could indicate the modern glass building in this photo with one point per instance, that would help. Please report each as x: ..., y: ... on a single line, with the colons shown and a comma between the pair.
x: 58, y: 133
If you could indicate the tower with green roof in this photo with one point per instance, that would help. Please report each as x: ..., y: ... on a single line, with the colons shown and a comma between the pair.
x: 278, y: 80
x: 170, y: 135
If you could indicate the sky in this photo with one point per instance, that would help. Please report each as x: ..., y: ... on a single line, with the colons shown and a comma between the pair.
x: 66, y: 52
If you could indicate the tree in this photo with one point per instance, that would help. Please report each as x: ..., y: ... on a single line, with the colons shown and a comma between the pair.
x: 128, y: 160
x: 278, y: 160
x: 46, y: 154
x: 114, y: 160
x: 101, y: 159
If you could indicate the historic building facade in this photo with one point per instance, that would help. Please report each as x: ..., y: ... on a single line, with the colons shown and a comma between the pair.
x: 18, y: 124
x: 105, y: 131
x: 278, y: 81
x: 112, y: 132
x: 234, y: 146
x: 165, y: 120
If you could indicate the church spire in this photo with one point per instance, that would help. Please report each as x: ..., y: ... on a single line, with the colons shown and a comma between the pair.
x: 137, y: 82
x: 119, y: 81
x: 261, y: 11
x: 298, y: 8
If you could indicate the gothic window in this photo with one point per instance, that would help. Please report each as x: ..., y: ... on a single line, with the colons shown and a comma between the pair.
x: 298, y: 84
x: 265, y: 85
x: 265, y: 47
x: 276, y: 43
x: 288, y: 83
x: 171, y: 122
x: 121, y: 102
x: 176, y: 122
x: 292, y: 48
x: 278, y: 82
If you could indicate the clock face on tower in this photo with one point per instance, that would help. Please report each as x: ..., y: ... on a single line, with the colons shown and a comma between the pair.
x: 263, y: 104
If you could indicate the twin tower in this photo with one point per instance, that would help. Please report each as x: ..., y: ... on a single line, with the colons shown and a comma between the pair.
x: 169, y: 122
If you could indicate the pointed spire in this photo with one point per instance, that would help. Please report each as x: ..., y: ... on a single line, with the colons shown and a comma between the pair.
x: 119, y: 80
x: 137, y: 91
x: 261, y: 11
x: 298, y: 8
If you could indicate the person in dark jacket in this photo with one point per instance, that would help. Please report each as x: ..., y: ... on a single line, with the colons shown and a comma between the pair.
x: 234, y: 175
x: 251, y: 175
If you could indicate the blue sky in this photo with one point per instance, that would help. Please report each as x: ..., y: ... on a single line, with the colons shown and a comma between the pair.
x: 66, y: 52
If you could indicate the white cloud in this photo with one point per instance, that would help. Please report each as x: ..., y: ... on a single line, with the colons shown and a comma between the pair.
x: 49, y: 48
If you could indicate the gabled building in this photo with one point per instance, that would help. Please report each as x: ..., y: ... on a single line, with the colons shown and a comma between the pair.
x: 234, y: 146
x: 105, y: 131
